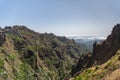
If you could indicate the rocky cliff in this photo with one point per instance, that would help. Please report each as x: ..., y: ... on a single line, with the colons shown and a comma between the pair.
x: 102, y: 52
x: 109, y: 70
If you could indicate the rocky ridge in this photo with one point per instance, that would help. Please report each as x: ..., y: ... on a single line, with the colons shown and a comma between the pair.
x: 102, y: 52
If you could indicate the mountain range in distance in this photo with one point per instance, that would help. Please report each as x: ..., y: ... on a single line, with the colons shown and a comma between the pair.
x: 87, y: 37
x: 86, y: 42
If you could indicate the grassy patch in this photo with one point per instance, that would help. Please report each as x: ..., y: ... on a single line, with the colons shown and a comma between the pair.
x: 15, y: 37
x: 12, y: 56
x: 1, y: 65
x: 98, y: 72
x: 25, y: 72
x: 85, y: 75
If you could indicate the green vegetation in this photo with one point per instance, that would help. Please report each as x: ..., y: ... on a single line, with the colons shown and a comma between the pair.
x: 28, y: 55
x: 86, y: 75
x: 12, y: 56
x: 15, y: 37
x: 1, y: 65
x: 98, y: 72
x: 25, y: 72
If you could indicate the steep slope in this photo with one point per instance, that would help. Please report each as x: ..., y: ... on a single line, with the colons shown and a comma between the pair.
x: 102, y: 52
x: 107, y: 71
x: 28, y: 55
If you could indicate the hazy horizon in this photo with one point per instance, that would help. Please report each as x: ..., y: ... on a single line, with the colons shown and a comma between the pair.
x: 64, y: 17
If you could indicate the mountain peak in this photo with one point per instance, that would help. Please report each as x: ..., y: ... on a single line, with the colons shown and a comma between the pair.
x: 103, y: 51
x: 116, y: 30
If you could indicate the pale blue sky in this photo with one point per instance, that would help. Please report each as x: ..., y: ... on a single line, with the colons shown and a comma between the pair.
x: 62, y: 17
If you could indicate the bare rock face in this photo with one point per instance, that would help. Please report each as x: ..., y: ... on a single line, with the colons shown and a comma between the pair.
x: 81, y: 65
x: 102, y: 52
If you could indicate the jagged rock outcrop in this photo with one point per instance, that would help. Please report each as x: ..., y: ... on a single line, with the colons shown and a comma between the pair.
x: 109, y: 70
x: 102, y: 52
x: 81, y: 64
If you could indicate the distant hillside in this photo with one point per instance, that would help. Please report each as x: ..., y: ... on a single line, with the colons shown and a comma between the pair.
x: 28, y: 55
x: 86, y: 42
